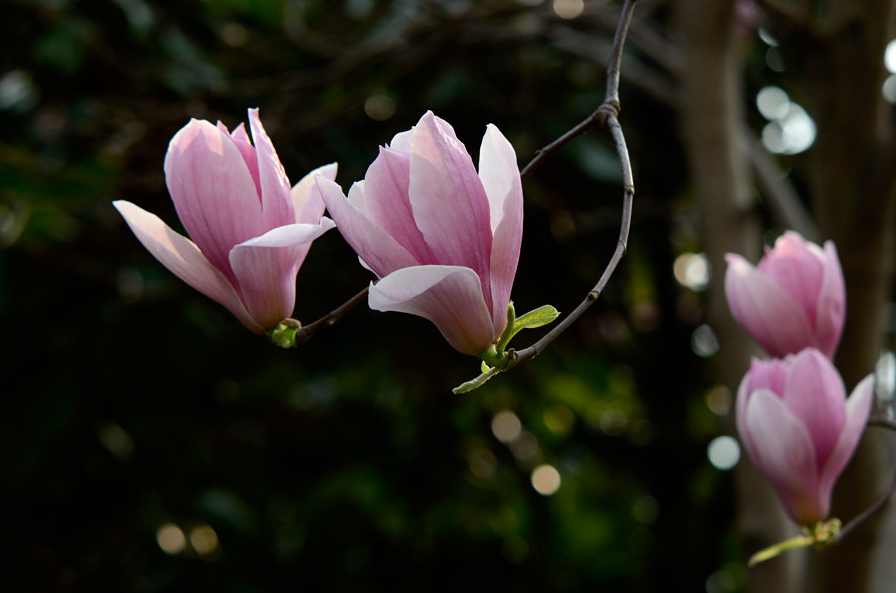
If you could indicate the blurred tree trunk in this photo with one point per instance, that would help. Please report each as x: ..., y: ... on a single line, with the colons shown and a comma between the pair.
x: 712, y: 118
x: 852, y: 191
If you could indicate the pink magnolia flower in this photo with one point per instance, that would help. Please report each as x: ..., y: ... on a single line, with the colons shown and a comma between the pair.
x: 800, y: 430
x: 443, y: 240
x: 251, y: 231
x: 793, y: 299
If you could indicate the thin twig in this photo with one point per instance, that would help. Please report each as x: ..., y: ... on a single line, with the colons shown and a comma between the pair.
x: 610, y: 106
x: 883, y: 501
x: 309, y: 331
x: 607, y: 114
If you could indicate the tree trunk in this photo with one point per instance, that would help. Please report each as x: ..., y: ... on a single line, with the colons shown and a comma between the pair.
x: 853, y: 198
x: 712, y: 117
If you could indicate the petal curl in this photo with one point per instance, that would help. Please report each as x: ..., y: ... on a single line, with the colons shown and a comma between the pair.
x: 266, y: 269
x: 449, y: 296
x: 306, y: 200
x: 183, y: 258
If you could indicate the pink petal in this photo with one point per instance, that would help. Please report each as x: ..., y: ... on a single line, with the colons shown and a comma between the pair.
x: 387, y: 205
x: 797, y: 268
x: 213, y: 192
x: 858, y: 407
x: 276, y: 203
x: 831, y: 311
x: 782, y: 450
x: 306, y: 200
x: 770, y: 375
x: 448, y: 200
x: 449, y: 296
x: 770, y: 316
x: 266, y: 268
x: 183, y: 258
x: 380, y: 252
x: 500, y: 176
x: 244, y: 144
x: 816, y: 395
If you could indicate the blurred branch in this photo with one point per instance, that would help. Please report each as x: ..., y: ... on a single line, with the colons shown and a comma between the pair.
x: 781, y: 196
x: 880, y: 503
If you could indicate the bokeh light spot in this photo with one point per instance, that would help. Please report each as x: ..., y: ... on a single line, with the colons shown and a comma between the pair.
x: 704, y: 342
x: 568, y: 9
x: 723, y: 452
x: 890, y: 57
x: 171, y: 539
x: 506, y: 426
x: 691, y: 270
x: 719, y: 400
x: 204, y: 539
x: 379, y: 107
x: 559, y: 419
x: 546, y: 479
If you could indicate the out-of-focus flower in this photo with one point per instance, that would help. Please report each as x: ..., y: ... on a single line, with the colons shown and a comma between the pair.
x: 794, y: 298
x: 250, y: 231
x: 443, y: 240
x: 799, y: 428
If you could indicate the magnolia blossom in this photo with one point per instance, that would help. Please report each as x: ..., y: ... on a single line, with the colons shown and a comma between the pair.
x: 794, y: 297
x: 799, y: 428
x: 250, y: 231
x: 443, y: 239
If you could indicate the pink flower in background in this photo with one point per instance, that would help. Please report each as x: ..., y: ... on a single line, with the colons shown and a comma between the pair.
x: 800, y: 430
x: 794, y: 298
x: 250, y: 231
x: 443, y: 239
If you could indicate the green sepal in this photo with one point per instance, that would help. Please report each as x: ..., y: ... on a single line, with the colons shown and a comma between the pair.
x: 535, y: 318
x: 478, y: 381
x: 284, y: 333
x: 820, y: 535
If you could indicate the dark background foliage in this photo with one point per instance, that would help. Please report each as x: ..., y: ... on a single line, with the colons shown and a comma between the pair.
x: 130, y: 401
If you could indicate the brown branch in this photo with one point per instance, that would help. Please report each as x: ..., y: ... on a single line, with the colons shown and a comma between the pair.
x: 307, y: 332
x: 881, y: 502
x: 607, y: 114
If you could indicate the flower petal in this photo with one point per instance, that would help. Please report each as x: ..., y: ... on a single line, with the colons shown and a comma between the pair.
x: 796, y: 267
x: 782, y: 450
x: 500, y: 176
x: 831, y: 310
x: 858, y: 407
x: 276, y: 205
x: 244, y: 144
x: 183, y: 258
x: 374, y: 246
x: 213, y: 192
x: 816, y: 395
x: 266, y: 268
x: 770, y: 316
x: 385, y: 202
x: 770, y: 375
x: 449, y: 203
x: 449, y: 296
x: 306, y: 201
